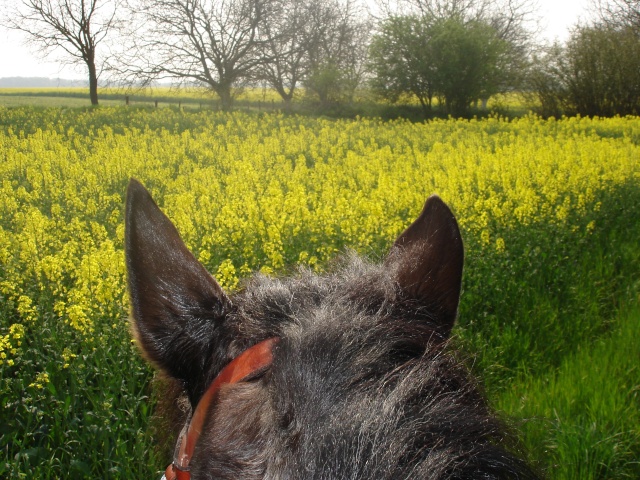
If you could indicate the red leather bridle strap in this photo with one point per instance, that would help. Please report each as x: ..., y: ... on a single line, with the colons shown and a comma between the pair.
x: 248, y: 362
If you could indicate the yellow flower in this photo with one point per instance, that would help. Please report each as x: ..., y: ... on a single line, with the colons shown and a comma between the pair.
x: 10, y: 344
x: 67, y: 356
x: 41, y: 380
x: 485, y: 237
x: 26, y: 309
x: 226, y: 275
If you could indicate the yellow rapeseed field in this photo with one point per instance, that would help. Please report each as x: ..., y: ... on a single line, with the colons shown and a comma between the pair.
x: 252, y: 192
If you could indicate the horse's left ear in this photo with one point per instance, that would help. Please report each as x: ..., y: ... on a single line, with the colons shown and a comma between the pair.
x: 427, y: 261
x: 178, y: 308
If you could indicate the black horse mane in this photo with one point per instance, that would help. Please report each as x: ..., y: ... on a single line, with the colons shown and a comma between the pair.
x: 360, y: 388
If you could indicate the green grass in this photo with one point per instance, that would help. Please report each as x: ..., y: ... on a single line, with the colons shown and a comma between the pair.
x: 250, y: 99
x: 90, y: 420
x: 584, y: 418
x: 79, y: 97
x: 73, y: 100
x: 557, y: 342
x: 49, y: 101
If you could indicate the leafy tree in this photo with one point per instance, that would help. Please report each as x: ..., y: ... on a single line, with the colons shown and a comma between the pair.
x: 601, y: 71
x: 545, y: 81
x: 595, y: 73
x: 456, y: 61
x: 468, y: 62
x: 514, y: 22
x: 401, y: 59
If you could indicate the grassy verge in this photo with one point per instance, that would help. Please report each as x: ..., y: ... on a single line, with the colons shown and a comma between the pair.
x: 364, y: 103
x: 584, y: 419
x: 557, y: 337
x: 49, y: 101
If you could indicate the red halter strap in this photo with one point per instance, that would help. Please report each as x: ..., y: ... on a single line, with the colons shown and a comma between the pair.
x: 248, y: 362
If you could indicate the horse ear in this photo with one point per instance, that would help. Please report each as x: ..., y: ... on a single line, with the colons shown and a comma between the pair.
x: 427, y: 261
x: 177, y: 306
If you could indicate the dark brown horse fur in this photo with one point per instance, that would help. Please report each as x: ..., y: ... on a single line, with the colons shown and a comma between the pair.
x: 362, y: 385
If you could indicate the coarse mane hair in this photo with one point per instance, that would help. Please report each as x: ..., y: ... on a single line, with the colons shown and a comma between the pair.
x: 362, y: 382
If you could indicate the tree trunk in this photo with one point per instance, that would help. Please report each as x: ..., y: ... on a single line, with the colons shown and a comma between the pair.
x: 226, y: 100
x: 287, y: 103
x: 93, y: 82
x: 426, y: 107
x: 286, y: 96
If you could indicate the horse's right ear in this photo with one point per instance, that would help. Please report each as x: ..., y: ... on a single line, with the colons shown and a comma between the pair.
x: 427, y: 260
x: 177, y: 306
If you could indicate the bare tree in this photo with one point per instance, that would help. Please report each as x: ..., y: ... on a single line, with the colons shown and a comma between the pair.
x: 515, y: 23
x: 338, y: 40
x: 284, y: 46
x: 619, y: 13
x: 213, y: 43
x: 321, y: 44
x: 436, y: 9
x: 77, y: 27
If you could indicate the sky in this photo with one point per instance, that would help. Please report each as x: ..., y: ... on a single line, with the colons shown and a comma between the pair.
x: 18, y: 60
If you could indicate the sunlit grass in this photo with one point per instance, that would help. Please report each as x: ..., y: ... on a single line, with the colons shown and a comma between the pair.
x: 147, y: 94
x: 584, y: 417
x: 508, y: 103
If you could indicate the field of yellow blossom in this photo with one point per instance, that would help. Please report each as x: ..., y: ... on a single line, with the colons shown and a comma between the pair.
x: 549, y: 210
